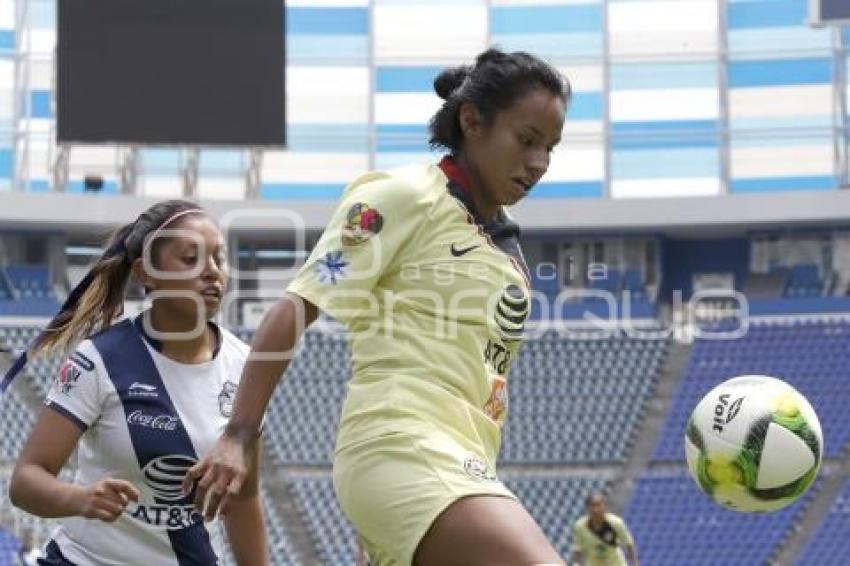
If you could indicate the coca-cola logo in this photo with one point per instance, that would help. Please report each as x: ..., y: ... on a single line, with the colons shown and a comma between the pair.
x: 156, y: 422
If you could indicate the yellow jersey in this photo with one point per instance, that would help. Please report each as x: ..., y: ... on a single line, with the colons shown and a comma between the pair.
x: 602, y: 548
x: 435, y: 299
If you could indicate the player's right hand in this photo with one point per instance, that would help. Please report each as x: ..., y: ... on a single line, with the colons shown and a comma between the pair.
x: 106, y: 499
x: 219, y: 475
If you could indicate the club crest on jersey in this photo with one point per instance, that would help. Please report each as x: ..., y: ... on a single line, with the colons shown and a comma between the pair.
x: 69, y: 374
x: 226, y: 397
x: 361, y: 223
x: 478, y: 468
x: 332, y: 267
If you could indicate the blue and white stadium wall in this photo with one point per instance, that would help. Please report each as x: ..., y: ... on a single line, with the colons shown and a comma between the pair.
x: 672, y: 97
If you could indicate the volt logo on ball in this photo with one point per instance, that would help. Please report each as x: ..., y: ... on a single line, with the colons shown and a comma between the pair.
x: 720, y: 410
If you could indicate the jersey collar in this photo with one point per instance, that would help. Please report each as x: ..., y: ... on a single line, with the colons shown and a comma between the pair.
x: 459, y: 182
x: 157, y: 344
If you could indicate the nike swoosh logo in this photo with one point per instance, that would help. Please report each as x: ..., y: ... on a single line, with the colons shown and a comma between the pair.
x: 457, y: 252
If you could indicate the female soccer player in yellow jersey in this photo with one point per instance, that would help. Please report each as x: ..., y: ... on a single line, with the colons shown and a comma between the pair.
x: 599, y: 535
x: 423, y: 265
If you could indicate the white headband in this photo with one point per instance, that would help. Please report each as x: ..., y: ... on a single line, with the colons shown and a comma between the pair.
x: 169, y: 220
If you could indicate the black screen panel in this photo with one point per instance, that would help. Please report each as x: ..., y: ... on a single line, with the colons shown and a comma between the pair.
x: 835, y: 10
x: 171, y: 71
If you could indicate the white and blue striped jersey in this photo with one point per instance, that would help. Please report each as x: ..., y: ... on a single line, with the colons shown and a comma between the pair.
x: 147, y: 419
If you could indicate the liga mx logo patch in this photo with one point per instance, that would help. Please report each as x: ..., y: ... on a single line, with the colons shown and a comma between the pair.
x: 69, y: 374
x: 477, y: 468
x: 332, y: 267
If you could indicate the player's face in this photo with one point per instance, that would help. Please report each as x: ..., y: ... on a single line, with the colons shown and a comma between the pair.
x: 193, y: 259
x: 511, y: 155
x: 596, y: 508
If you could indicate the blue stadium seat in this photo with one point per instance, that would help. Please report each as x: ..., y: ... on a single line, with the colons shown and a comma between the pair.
x: 332, y: 534
x: 25, y: 290
x: 578, y: 401
x: 675, y: 524
x: 804, y: 281
x: 554, y: 501
x: 9, y: 546
x: 829, y: 545
x: 32, y: 279
x: 16, y: 422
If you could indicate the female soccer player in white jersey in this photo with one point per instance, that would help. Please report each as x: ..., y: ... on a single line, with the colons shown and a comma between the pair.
x: 423, y: 265
x: 141, y: 399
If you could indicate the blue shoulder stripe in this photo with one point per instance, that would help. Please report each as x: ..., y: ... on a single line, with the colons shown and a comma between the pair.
x: 81, y: 360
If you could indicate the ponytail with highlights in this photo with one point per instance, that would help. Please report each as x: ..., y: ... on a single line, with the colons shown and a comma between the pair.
x: 98, y: 299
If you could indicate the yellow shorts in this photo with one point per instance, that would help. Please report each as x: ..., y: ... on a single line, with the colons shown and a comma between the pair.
x: 393, y: 487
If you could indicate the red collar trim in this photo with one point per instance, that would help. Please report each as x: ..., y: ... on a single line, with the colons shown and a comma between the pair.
x: 454, y: 172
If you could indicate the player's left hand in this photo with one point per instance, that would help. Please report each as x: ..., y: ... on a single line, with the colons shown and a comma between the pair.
x: 219, y: 476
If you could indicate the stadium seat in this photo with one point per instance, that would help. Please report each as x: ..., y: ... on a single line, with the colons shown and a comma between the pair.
x: 676, y: 524
x: 593, y: 390
x: 30, y: 280
x: 829, y: 545
x: 25, y: 290
x: 332, y: 534
x: 9, y: 546
x: 16, y: 422
x: 554, y: 501
x: 804, y: 281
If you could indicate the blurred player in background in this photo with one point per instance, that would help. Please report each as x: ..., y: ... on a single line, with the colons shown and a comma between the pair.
x: 141, y: 400
x: 423, y: 265
x: 599, y: 537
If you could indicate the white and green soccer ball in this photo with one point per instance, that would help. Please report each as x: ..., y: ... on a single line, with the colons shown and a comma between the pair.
x: 754, y: 444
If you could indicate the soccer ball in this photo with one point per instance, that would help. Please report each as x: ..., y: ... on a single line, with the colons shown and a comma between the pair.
x: 754, y: 444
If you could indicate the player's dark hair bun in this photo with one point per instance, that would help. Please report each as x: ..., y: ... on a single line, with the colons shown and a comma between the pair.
x: 492, y: 55
x: 495, y: 82
x: 450, y: 80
